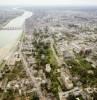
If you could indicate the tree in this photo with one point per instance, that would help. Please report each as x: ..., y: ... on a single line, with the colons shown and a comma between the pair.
x: 71, y: 97
x: 34, y: 96
x: 9, y: 95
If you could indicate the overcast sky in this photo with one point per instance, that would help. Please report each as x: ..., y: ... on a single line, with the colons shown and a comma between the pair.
x: 49, y: 2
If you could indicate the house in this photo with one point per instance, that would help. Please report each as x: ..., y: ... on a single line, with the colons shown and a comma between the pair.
x: 68, y: 54
x: 48, y: 68
x: 66, y: 79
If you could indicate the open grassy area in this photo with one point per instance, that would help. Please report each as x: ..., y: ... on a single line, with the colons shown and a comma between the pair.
x: 80, y: 67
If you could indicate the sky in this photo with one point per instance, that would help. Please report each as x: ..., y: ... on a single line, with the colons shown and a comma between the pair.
x: 50, y: 2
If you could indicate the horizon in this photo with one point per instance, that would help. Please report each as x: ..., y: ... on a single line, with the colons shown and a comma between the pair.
x: 52, y: 6
x: 48, y: 2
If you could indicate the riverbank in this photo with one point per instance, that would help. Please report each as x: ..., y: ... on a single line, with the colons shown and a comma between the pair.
x: 6, y: 15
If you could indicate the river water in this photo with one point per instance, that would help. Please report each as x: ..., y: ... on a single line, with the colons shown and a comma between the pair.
x: 9, y: 37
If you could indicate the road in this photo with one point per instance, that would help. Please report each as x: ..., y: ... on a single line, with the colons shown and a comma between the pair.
x: 30, y: 74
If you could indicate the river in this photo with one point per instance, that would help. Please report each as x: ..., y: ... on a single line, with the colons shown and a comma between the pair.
x: 9, y: 36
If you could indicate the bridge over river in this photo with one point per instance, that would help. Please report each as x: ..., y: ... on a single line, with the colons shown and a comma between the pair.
x: 11, y: 28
